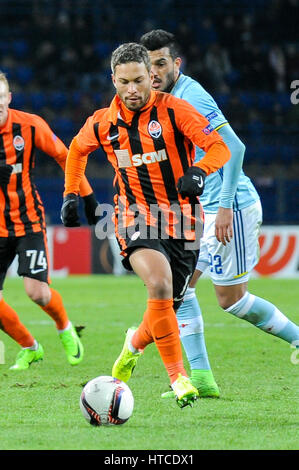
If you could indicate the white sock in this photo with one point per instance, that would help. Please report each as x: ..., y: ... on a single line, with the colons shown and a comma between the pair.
x: 34, y: 347
x: 66, y: 328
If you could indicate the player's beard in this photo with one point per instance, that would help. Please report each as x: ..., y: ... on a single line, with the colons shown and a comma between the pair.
x: 170, y: 81
x: 139, y: 104
x: 167, y: 84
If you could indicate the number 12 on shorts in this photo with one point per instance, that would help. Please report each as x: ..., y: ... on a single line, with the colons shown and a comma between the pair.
x: 38, y: 261
x: 215, y: 264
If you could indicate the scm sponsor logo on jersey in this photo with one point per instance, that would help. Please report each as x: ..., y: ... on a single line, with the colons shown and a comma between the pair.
x: 149, y: 157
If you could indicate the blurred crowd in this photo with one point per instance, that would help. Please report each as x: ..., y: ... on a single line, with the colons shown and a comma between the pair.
x: 56, y: 54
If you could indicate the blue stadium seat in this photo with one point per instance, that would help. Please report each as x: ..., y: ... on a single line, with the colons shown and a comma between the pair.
x: 20, y: 49
x: 221, y: 99
x: 288, y: 154
x: 19, y: 100
x: 247, y: 98
x: 265, y: 100
x: 23, y: 74
x: 64, y: 124
x: 58, y: 100
x: 103, y: 49
x: 284, y: 100
x: 38, y: 100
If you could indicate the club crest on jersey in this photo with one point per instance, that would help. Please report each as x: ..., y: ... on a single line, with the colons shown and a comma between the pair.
x: 18, y: 142
x: 155, y: 129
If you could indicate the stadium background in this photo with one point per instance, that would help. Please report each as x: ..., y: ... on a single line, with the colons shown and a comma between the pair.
x: 56, y: 54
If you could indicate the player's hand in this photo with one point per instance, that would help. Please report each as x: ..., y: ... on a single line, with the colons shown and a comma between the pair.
x: 224, y: 225
x: 90, y: 206
x: 192, y: 183
x: 5, y: 172
x: 69, y: 211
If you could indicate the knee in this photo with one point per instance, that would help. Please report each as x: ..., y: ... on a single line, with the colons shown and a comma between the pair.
x: 160, y: 287
x: 40, y: 294
x: 227, y: 301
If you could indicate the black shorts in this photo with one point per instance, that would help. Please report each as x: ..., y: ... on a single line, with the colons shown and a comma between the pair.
x: 182, y: 261
x: 32, y: 251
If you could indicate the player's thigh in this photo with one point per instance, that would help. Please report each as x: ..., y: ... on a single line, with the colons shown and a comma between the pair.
x: 7, y: 254
x: 150, y: 261
x: 33, y: 256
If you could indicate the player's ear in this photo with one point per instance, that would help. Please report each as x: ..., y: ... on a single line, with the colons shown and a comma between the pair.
x: 113, y: 79
x: 9, y: 97
x: 178, y: 62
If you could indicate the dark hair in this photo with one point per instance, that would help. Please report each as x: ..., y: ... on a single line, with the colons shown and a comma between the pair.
x: 130, y: 52
x: 158, y: 38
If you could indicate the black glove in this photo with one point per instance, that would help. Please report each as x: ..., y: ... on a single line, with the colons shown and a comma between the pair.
x: 192, y: 183
x: 69, y: 211
x: 90, y: 205
x: 5, y: 172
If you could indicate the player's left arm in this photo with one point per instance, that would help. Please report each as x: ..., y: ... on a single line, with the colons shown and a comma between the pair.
x: 49, y: 143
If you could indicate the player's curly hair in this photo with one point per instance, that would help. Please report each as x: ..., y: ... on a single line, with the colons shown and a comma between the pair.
x: 158, y: 38
x: 130, y: 52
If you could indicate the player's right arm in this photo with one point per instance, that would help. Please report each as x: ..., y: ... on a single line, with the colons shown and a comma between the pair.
x: 81, y: 146
x: 49, y: 143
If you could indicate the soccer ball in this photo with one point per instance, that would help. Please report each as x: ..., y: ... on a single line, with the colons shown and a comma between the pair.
x: 106, y: 400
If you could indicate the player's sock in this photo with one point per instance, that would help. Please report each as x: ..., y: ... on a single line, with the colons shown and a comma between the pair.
x: 10, y: 324
x: 160, y: 323
x: 192, y: 331
x: 34, y: 347
x: 264, y: 315
x: 56, y: 310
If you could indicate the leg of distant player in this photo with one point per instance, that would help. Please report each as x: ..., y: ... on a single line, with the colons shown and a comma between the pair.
x: 51, y: 302
x: 10, y: 323
x: 259, y: 312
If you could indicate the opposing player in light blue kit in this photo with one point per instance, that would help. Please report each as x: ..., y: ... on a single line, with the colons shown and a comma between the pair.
x: 229, y: 248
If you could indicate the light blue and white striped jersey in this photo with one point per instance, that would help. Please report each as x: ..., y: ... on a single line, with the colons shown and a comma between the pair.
x: 245, y: 193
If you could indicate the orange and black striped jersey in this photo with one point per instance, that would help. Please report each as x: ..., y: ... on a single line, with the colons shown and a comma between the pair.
x: 21, y: 208
x: 149, y: 151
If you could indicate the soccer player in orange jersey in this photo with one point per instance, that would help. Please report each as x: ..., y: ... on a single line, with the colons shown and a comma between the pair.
x: 23, y: 228
x: 149, y: 138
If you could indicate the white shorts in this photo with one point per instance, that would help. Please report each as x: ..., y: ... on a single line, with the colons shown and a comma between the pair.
x: 232, y: 264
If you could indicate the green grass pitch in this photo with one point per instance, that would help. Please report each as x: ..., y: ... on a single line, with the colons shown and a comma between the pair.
x: 258, y: 408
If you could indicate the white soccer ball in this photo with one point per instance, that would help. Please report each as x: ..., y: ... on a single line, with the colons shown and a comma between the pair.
x: 106, y: 400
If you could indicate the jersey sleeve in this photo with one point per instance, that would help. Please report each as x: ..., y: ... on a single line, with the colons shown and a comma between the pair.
x: 81, y: 146
x: 198, y: 129
x: 204, y: 103
x: 48, y: 142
